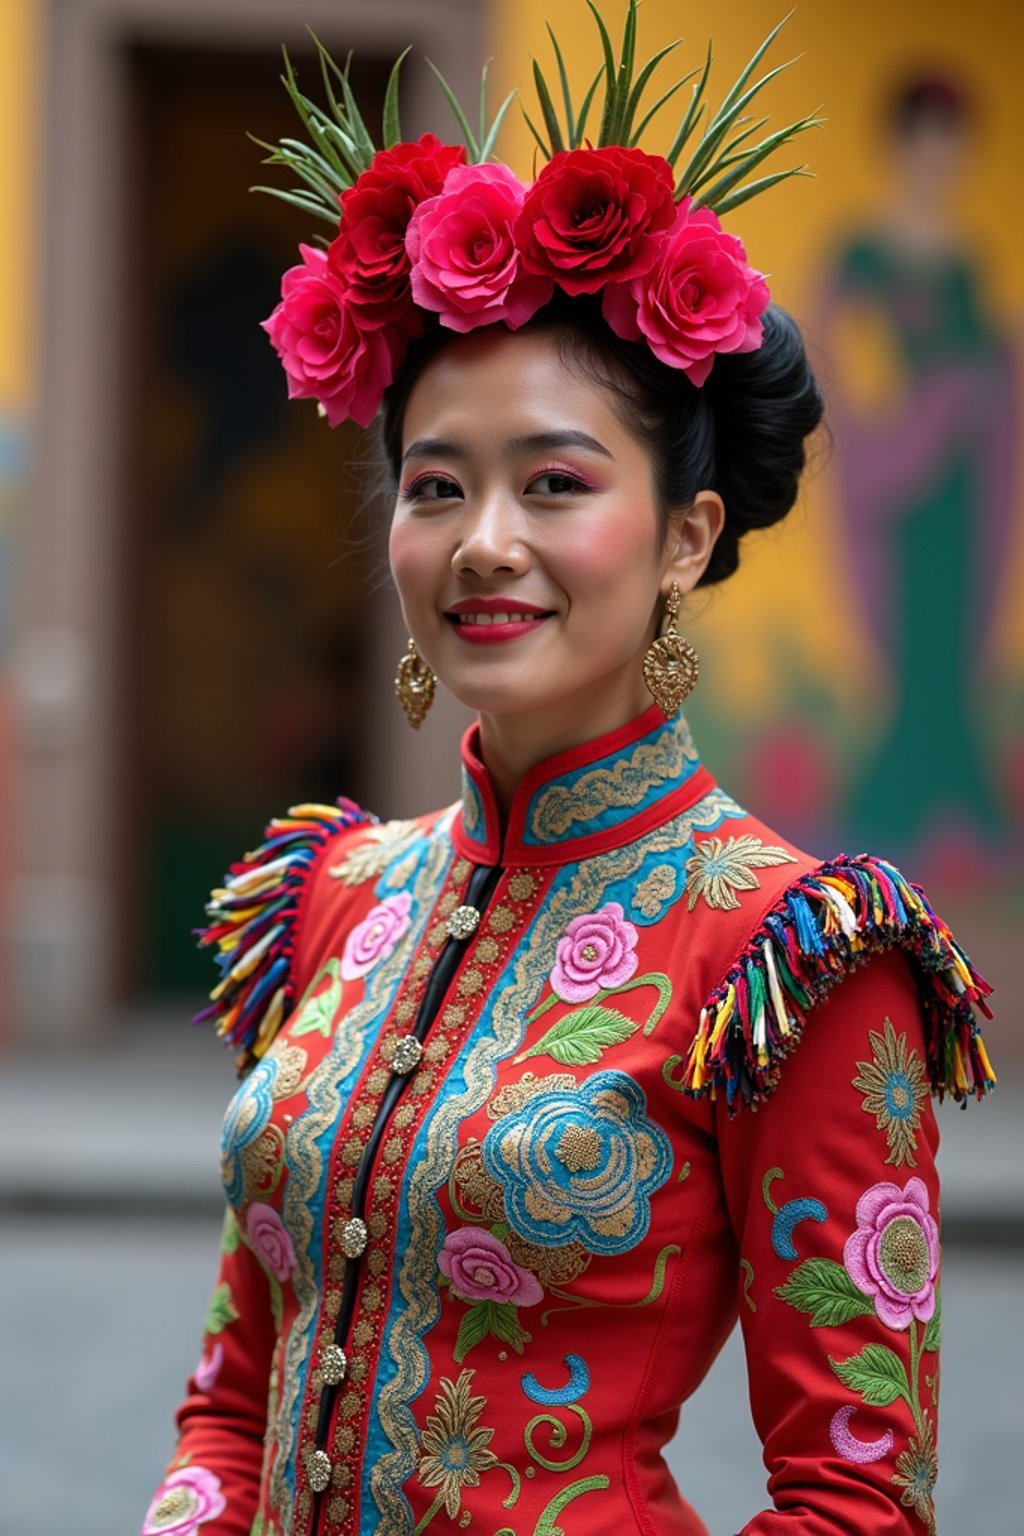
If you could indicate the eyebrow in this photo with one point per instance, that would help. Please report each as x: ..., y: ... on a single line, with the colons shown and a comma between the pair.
x: 536, y: 442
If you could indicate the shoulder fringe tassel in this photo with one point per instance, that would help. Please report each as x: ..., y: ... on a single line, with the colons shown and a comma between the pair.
x: 252, y: 923
x: 823, y: 926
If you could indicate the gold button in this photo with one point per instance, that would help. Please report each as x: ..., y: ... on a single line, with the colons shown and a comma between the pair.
x: 333, y: 1365
x: 406, y: 1055
x: 354, y: 1237
x: 463, y: 923
x: 319, y: 1469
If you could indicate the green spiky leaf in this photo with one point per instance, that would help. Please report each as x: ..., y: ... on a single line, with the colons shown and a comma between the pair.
x: 755, y: 188
x: 391, y: 125
x: 468, y: 136
x: 692, y: 115
x: 548, y: 112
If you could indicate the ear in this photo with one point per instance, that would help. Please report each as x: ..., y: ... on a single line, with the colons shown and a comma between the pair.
x: 691, y: 539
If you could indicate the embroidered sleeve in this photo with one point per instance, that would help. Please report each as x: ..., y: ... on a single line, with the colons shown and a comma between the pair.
x: 253, y: 921
x: 833, y: 1196
x: 211, y: 1488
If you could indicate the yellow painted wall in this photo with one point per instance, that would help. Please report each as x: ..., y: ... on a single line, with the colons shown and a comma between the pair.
x: 20, y: 165
x: 794, y: 575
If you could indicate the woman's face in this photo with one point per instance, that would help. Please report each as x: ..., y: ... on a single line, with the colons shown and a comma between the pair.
x: 525, y: 543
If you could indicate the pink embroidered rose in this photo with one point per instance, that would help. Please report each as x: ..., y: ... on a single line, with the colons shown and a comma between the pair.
x: 596, y: 951
x: 593, y: 215
x: 465, y: 264
x: 701, y: 297
x: 270, y: 1241
x: 185, y: 1500
x: 375, y: 937
x: 209, y: 1366
x: 893, y: 1256
x: 328, y: 353
x: 480, y: 1268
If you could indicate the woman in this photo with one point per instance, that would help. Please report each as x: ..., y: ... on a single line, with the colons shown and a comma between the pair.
x: 927, y: 480
x: 497, y: 1192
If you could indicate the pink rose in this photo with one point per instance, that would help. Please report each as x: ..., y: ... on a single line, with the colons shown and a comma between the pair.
x: 593, y: 215
x: 464, y: 259
x: 329, y: 353
x: 185, y: 1500
x: 894, y: 1254
x: 700, y: 298
x: 270, y: 1242
x: 480, y: 1268
x: 375, y: 937
x: 596, y: 951
x: 208, y: 1368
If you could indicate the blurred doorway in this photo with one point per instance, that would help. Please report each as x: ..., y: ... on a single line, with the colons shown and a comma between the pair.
x: 244, y: 627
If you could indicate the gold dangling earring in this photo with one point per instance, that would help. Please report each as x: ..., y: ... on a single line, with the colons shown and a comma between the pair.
x: 671, y: 665
x: 415, y: 686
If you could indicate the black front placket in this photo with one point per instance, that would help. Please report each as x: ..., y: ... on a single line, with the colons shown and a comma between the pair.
x: 462, y: 924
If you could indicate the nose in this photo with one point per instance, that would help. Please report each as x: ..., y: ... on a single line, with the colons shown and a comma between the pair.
x: 490, y: 541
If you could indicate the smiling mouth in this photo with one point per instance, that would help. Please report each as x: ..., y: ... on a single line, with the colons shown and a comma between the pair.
x: 488, y: 626
x: 513, y: 616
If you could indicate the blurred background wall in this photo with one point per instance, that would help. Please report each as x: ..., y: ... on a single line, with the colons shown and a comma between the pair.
x: 201, y: 631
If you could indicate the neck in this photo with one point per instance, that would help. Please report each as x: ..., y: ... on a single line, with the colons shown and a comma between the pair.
x: 512, y: 744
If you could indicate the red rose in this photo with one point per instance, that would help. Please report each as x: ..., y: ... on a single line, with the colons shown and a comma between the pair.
x: 593, y: 217
x: 701, y: 297
x: 328, y: 353
x: 369, y: 253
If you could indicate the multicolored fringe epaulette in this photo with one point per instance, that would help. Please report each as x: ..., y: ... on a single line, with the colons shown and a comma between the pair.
x: 823, y: 926
x: 252, y: 922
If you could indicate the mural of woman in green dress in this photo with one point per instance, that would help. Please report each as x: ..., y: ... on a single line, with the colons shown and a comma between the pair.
x: 926, y: 491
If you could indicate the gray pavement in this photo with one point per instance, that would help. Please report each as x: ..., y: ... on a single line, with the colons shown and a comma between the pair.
x: 109, y: 1213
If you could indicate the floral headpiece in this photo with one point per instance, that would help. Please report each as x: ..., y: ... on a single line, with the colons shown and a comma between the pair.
x: 428, y: 228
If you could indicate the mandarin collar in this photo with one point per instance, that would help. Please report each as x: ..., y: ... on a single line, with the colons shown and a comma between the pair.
x: 586, y: 801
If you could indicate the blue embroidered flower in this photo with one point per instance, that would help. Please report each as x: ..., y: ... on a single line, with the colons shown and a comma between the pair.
x: 247, y: 1117
x: 580, y: 1164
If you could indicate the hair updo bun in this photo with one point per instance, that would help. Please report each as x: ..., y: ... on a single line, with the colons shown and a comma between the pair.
x: 765, y: 404
x: 741, y: 434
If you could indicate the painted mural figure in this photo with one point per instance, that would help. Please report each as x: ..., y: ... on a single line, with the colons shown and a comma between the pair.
x: 926, y: 485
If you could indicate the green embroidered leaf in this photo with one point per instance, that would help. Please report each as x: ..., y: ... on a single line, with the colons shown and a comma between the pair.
x: 876, y: 1373
x: 317, y: 1013
x: 472, y: 1330
x: 490, y: 1319
x: 276, y: 1301
x: 580, y: 1038
x: 933, y: 1332
x: 222, y: 1309
x: 231, y: 1235
x: 824, y: 1289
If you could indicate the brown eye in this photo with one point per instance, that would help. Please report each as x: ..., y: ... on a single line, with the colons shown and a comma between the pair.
x: 432, y: 488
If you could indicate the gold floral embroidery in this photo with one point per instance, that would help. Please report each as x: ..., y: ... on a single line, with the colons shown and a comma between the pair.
x: 655, y: 890
x: 652, y: 765
x: 895, y: 1088
x: 372, y: 857
x: 917, y: 1470
x: 719, y: 868
x: 455, y: 1445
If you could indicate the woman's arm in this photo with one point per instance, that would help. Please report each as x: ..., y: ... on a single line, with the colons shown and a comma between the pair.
x: 832, y: 1190
x: 214, y: 1479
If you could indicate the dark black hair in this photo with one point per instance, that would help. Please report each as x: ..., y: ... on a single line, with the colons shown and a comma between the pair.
x: 934, y: 100
x: 742, y: 433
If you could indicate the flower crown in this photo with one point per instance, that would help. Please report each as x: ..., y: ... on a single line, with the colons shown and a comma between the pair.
x: 428, y: 228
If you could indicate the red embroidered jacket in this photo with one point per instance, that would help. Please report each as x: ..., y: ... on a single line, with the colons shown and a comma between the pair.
x: 529, y: 1122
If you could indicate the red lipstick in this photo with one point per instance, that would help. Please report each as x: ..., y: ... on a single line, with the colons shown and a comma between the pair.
x: 492, y: 620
